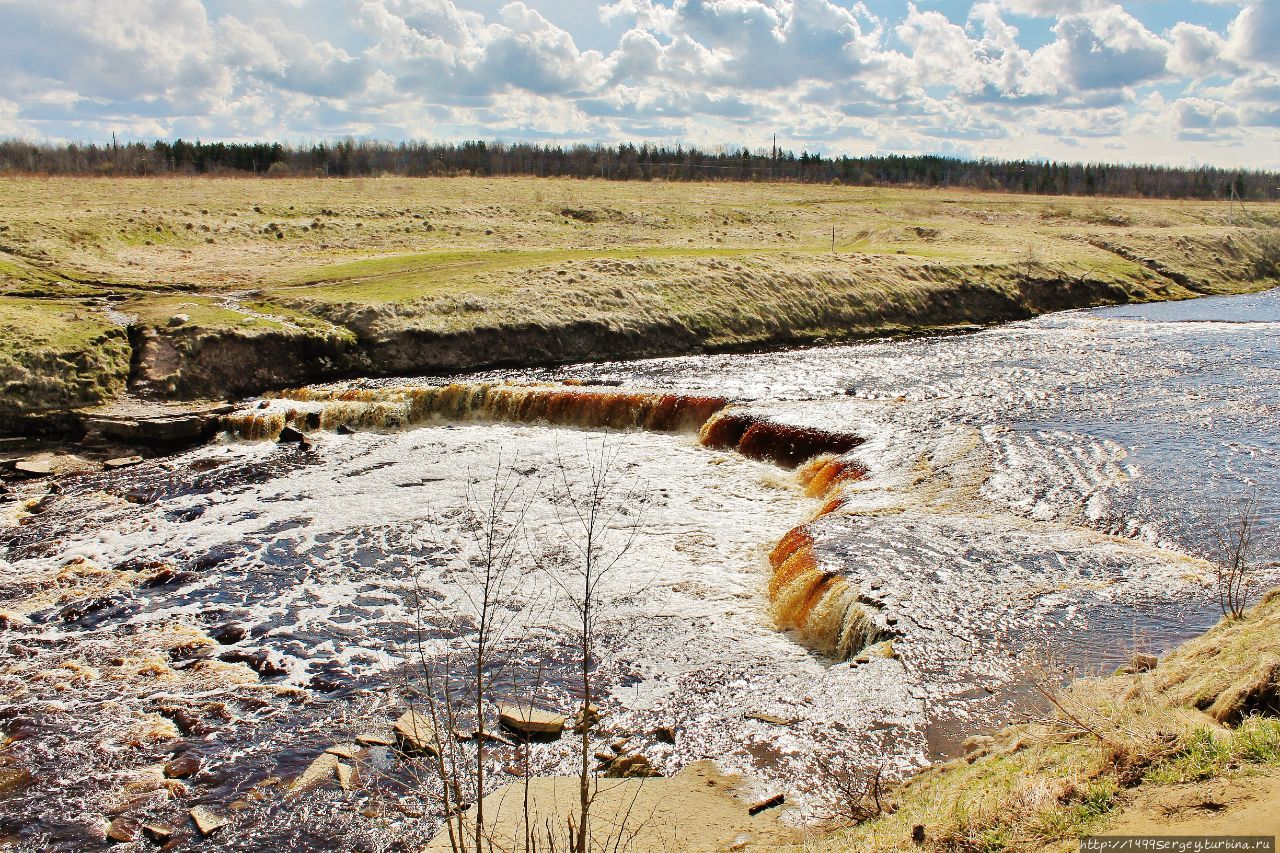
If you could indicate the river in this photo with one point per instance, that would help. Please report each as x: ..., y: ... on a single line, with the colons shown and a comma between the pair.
x: 1034, y: 498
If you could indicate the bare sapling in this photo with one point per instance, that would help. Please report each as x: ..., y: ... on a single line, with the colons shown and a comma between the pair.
x: 487, y: 573
x: 1234, y: 567
x: 600, y: 515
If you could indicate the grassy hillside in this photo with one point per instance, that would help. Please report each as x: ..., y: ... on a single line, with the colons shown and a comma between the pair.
x: 1204, y: 722
x: 234, y: 286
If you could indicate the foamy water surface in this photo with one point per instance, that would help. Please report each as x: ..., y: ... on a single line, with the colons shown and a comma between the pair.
x: 1042, y: 485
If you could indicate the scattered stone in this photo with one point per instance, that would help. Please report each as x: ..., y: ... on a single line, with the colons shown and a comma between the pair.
x: 13, y: 779
x: 767, y: 803
x: 772, y: 720
x: 528, y: 720
x: 179, y: 319
x: 415, y: 733
x: 375, y: 740
x: 586, y: 719
x: 1141, y: 663
x: 631, y: 767
x: 183, y: 767
x: 158, y: 831
x: 343, y: 429
x: 207, y: 820
x: 121, y: 462
x: 290, y: 435
x: 124, y: 830
x: 619, y: 746
x: 605, y: 757
x: 665, y: 734
x: 348, y: 751
x: 318, y: 772
x: 34, y: 467
x: 347, y: 776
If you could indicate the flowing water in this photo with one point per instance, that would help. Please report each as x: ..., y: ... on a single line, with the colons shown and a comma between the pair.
x: 1040, y: 487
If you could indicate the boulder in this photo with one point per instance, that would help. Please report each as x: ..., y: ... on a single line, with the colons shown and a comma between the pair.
x: 34, y: 466
x: 631, y: 767
x: 228, y: 634
x: 158, y: 831
x: 182, y: 767
x: 124, y: 829
x: 343, y: 429
x: 665, y: 734
x: 207, y: 820
x: 179, y: 319
x: 290, y: 435
x: 317, y: 773
x: 528, y: 720
x: 348, y: 751
x: 415, y: 733
x: 1142, y: 663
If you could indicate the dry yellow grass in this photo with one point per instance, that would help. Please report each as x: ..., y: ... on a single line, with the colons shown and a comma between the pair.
x: 1112, y: 741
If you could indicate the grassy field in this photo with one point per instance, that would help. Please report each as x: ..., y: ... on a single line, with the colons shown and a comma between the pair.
x: 279, y: 281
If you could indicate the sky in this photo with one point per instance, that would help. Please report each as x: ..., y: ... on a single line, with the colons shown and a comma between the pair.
x: 1183, y: 82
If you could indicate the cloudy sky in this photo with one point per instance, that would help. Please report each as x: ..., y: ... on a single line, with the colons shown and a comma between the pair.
x: 1176, y: 81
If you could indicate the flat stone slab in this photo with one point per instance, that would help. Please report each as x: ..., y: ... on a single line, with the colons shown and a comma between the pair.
x: 349, y: 751
x: 416, y: 732
x: 121, y: 462
x: 529, y: 720
x: 207, y: 820
x: 317, y: 773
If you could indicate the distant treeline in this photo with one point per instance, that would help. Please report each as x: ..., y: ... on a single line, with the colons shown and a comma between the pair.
x: 628, y: 162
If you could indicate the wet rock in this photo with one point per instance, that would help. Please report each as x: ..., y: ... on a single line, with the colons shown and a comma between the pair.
x: 528, y: 720
x: 124, y: 829
x: 343, y: 429
x: 312, y: 420
x: 329, y: 679
x: 290, y: 435
x: 9, y: 619
x: 375, y: 740
x: 13, y: 779
x: 158, y: 831
x: 665, y: 734
x: 228, y: 634
x: 207, y: 820
x: 767, y: 803
x: 182, y: 767
x: 259, y: 661
x: 586, y: 719
x: 264, y: 404
x: 348, y: 777
x: 169, y: 576
x: 772, y: 720
x: 34, y: 467
x: 349, y: 751
x: 631, y: 767
x: 121, y: 462
x: 317, y: 773
x: 1141, y: 663
x: 414, y: 733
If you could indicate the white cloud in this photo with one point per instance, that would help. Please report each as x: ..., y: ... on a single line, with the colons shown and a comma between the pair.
x: 823, y: 73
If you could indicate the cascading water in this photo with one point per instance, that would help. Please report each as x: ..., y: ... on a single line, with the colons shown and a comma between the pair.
x: 957, y: 501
